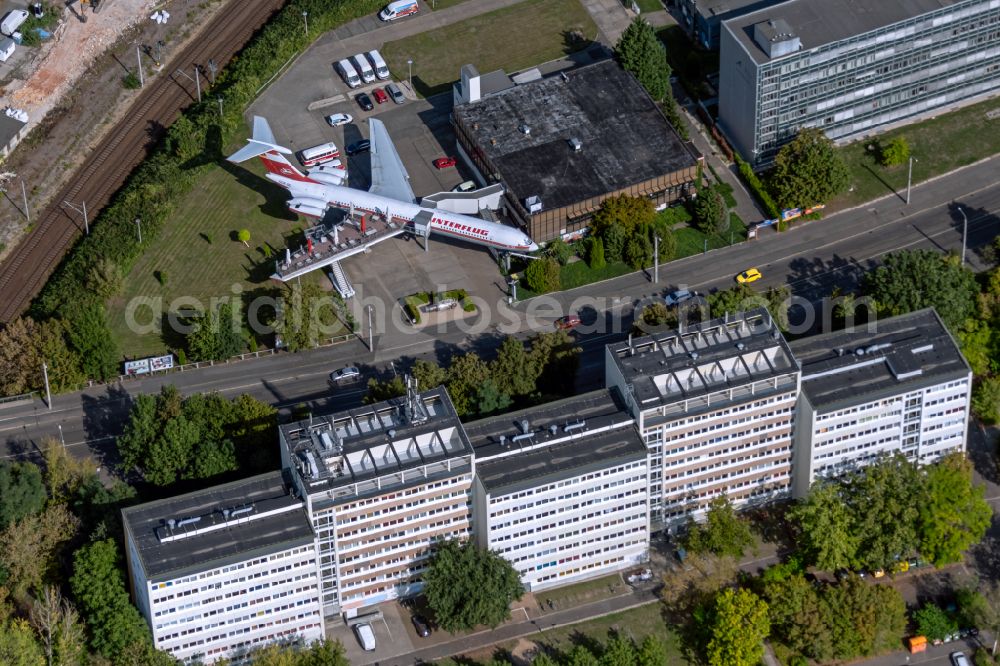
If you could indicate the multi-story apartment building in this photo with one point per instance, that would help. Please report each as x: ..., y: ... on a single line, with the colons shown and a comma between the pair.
x: 563, y: 495
x: 900, y: 385
x: 703, y: 18
x: 381, y: 483
x: 715, y: 405
x: 851, y: 67
x: 224, y: 570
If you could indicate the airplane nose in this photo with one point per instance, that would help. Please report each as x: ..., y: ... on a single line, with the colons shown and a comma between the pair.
x: 533, y: 247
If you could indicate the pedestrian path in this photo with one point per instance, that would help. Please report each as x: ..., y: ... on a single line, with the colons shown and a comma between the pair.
x: 611, y: 18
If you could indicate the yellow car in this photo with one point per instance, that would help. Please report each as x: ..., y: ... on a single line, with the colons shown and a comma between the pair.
x: 748, y: 276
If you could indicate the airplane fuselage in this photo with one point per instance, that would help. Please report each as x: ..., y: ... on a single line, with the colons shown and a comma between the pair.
x: 312, y: 198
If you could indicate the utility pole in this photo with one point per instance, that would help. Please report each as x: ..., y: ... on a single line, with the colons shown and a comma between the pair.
x: 48, y: 394
x: 211, y: 71
x: 196, y: 80
x: 220, y: 105
x: 705, y: 248
x: 409, y: 67
x: 965, y: 231
x: 83, y: 211
x: 656, y: 259
x: 909, y: 181
x: 24, y: 195
x: 138, y: 226
x: 371, y: 330
x: 138, y: 59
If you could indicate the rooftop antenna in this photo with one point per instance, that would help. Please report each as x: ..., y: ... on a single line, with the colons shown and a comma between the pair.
x: 525, y: 426
x: 564, y: 76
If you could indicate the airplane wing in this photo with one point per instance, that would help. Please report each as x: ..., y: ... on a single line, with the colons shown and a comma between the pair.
x: 389, y: 177
x: 262, y: 142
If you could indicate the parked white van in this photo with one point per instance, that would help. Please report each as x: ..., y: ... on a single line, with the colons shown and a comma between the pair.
x: 348, y: 73
x: 365, y: 636
x: 399, y: 9
x: 381, y: 70
x: 364, y: 68
x: 12, y: 20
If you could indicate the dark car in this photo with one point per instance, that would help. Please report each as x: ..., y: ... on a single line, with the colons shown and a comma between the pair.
x: 359, y: 147
x: 421, y: 625
x: 364, y: 101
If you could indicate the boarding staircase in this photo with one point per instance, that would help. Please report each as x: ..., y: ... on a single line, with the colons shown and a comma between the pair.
x: 340, y: 281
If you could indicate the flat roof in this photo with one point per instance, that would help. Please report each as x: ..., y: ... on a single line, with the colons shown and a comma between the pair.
x: 554, y: 441
x: 9, y: 127
x: 624, y: 137
x: 820, y: 22
x: 385, y: 438
x: 217, y: 526
x: 704, y: 358
x: 714, y: 8
x: 893, y: 356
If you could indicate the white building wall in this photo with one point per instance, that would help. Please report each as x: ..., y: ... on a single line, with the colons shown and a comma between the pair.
x: 923, y: 425
x: 215, y: 613
x: 577, y: 528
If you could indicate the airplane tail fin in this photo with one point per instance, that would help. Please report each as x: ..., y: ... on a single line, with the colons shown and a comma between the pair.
x: 262, y: 142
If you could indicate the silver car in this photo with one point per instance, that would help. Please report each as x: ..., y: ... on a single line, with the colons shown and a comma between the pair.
x: 395, y: 93
x: 346, y: 374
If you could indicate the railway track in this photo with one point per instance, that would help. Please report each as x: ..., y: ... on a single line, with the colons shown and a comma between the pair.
x: 24, y: 272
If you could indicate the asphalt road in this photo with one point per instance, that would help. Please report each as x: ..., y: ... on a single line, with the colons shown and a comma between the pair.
x: 812, y: 259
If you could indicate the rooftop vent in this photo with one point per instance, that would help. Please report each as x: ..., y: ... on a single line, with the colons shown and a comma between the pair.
x: 525, y: 130
x: 525, y: 426
x: 575, y: 144
x: 503, y: 441
x: 564, y: 76
x: 860, y: 351
x: 171, y: 523
x: 189, y: 521
x: 694, y: 355
x: 553, y: 429
x: 240, y: 511
x: 575, y: 425
x: 740, y: 346
x: 521, y: 438
x: 533, y: 204
x: 390, y: 433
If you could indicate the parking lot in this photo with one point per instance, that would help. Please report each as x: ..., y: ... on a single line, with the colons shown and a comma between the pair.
x: 394, y: 635
x: 296, y: 105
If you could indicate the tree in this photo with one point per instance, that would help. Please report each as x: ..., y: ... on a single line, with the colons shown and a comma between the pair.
x: 624, y: 211
x: 984, y: 612
x: 57, y: 625
x: 106, y: 278
x: 87, y: 327
x: 614, y: 238
x: 542, y: 276
x: 244, y: 236
x: 30, y: 548
x: 863, y: 620
x: 641, y: 53
x: 468, y: 586
x: 723, y: 532
x: 20, y: 361
x: 710, y: 213
x: 826, y: 527
x: 216, y: 335
x: 652, y: 652
x: 914, y: 279
x: 934, y: 623
x: 895, y: 152
x: 305, y: 316
x: 778, y: 303
x: 18, y: 646
x: 986, y: 400
x: 618, y: 651
x: 738, y: 626
x: 808, y: 171
x: 797, y: 618
x: 559, y: 250
x: 381, y: 390
x: 64, y: 473
x: 99, y: 589
x: 655, y: 317
x: 63, y: 363
x: 22, y: 492
x: 595, y: 253
x: 490, y: 399
x: 554, y: 358
x: 512, y: 370
x: 738, y: 298
x: 880, y: 496
x: 639, y: 250
x: 467, y: 373
x: 953, y: 512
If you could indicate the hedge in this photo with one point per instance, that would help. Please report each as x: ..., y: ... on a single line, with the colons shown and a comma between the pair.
x: 753, y: 182
x: 194, y: 141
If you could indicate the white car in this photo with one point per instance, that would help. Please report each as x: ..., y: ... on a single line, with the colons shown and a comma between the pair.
x: 338, y: 119
x: 365, y: 636
x: 959, y: 659
x: 345, y: 374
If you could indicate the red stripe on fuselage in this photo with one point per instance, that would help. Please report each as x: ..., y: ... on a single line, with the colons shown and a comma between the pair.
x: 284, y: 170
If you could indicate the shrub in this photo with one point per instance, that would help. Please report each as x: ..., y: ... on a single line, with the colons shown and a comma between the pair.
x: 559, y: 250
x: 986, y: 400
x: 710, y: 211
x: 615, y: 238
x: 894, y: 153
x: 757, y: 187
x: 639, y: 250
x: 412, y: 312
x: 542, y: 276
x: 130, y: 81
x: 161, y: 277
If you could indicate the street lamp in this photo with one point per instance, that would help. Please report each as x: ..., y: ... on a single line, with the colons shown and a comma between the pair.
x: 409, y: 66
x: 138, y: 226
x: 965, y: 231
x: 909, y: 179
x: 305, y: 19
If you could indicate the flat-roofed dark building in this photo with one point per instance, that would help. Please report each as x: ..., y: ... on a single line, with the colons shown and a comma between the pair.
x: 563, y: 144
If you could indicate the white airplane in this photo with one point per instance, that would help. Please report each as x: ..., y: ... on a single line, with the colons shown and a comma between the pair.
x: 322, y: 187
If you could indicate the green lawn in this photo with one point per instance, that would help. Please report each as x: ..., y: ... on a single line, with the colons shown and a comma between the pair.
x: 939, y: 145
x: 443, y: 4
x: 691, y: 241
x: 586, y: 592
x: 198, y: 255
x: 578, y: 273
x: 514, y: 38
x: 646, y: 6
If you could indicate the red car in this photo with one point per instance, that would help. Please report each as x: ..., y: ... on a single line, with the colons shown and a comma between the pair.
x: 444, y: 162
x: 380, y: 95
x: 567, y: 322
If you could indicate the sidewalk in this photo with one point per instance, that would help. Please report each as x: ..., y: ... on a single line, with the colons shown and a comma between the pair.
x: 611, y: 18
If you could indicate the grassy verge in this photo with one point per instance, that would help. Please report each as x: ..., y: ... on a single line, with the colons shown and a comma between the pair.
x: 197, y: 252
x: 543, y: 30
x: 646, y: 6
x: 435, y: 5
x: 578, y: 273
x: 691, y: 241
x: 939, y: 145
x: 585, y: 592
